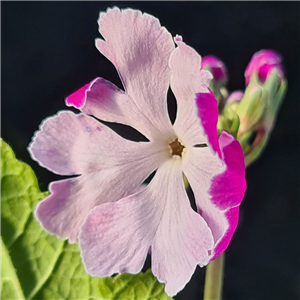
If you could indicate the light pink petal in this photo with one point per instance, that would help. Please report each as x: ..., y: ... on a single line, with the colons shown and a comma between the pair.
x: 205, y: 77
x: 207, y: 106
x: 218, y: 187
x: 235, y: 96
x: 107, y: 102
x: 111, y: 168
x: 139, y: 48
x: 64, y: 211
x: 200, y: 169
x: 69, y: 143
x: 182, y: 241
x: 186, y: 81
x: 116, y: 237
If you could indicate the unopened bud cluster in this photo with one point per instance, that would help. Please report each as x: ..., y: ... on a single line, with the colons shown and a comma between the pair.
x: 250, y: 115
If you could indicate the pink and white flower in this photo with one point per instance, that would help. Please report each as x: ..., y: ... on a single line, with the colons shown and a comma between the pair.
x: 216, y: 67
x: 263, y: 62
x: 105, y: 209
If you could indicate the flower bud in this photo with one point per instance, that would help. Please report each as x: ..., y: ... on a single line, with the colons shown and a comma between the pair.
x: 235, y: 96
x: 233, y: 101
x: 252, y: 107
x: 263, y: 102
x: 263, y: 62
x: 216, y: 67
x: 220, y: 77
x: 228, y: 118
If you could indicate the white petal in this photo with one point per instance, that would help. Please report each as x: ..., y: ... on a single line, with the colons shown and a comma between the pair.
x: 186, y: 81
x: 140, y: 49
x: 70, y: 144
x: 116, y: 236
x: 111, y: 168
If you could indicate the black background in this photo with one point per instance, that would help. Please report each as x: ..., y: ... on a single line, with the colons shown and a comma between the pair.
x: 48, y: 52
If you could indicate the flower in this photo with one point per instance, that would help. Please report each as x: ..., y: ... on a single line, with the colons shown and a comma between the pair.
x: 264, y: 61
x: 104, y: 209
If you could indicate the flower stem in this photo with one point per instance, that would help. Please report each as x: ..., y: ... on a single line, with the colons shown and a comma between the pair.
x: 214, y: 279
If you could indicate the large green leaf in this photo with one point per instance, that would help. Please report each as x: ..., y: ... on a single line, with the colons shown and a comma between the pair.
x: 39, y: 266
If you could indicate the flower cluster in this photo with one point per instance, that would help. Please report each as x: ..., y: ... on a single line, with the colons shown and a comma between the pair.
x: 250, y: 115
x: 106, y: 209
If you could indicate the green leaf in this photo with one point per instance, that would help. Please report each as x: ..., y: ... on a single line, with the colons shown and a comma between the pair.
x: 33, y: 253
x: 38, y: 266
x: 138, y: 287
x: 10, y: 285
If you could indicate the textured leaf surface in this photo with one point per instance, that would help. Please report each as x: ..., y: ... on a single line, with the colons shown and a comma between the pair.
x: 137, y: 287
x: 36, y: 265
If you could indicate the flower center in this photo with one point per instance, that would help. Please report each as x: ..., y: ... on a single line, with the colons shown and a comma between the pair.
x: 176, y: 148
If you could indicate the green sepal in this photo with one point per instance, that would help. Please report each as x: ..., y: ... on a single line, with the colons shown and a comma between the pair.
x: 255, y: 152
x: 232, y: 106
x: 220, y: 92
x: 272, y: 83
x: 222, y: 124
x: 252, y: 107
x: 233, y: 122
x: 274, y: 105
x: 254, y: 80
x: 244, y: 140
x: 263, y: 112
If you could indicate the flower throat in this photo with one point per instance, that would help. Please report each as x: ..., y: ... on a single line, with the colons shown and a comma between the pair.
x: 176, y: 148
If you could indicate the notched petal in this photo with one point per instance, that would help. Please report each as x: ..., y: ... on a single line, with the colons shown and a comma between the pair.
x: 218, y: 185
x: 228, y: 188
x: 159, y: 217
x: 139, y: 47
x: 186, y: 81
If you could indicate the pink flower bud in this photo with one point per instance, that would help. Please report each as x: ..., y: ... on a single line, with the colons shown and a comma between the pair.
x: 264, y: 62
x: 235, y: 96
x: 215, y: 66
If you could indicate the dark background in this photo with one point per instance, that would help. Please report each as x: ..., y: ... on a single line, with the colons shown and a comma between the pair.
x: 48, y: 52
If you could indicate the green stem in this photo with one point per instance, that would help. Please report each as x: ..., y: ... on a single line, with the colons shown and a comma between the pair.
x: 214, y: 279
